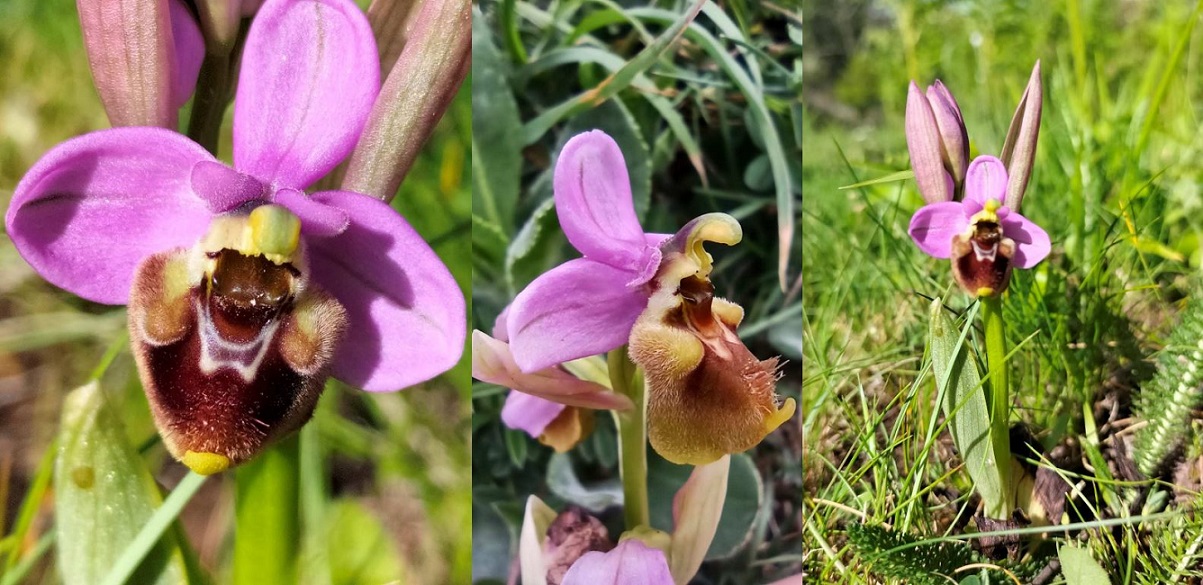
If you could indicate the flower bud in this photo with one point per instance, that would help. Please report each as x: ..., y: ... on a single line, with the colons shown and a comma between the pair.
x: 130, y: 52
x: 1019, y: 149
x: 232, y: 341
x: 953, y: 137
x: 707, y: 394
x: 929, y: 155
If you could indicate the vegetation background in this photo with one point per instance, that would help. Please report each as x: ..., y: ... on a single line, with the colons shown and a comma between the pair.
x: 1118, y: 185
x: 385, y: 482
x: 704, y: 127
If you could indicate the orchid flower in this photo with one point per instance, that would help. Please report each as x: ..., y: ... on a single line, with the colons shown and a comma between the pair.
x: 551, y: 543
x: 630, y: 562
x: 654, y: 293
x: 245, y: 293
x: 551, y: 405
x: 982, y: 232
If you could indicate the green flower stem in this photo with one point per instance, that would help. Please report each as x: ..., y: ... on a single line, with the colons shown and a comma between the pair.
x: 213, y: 89
x: 267, y: 516
x: 1000, y: 401
x: 632, y: 437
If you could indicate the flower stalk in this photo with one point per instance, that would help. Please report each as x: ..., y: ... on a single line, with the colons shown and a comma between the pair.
x: 212, y: 96
x: 1000, y: 400
x: 632, y: 437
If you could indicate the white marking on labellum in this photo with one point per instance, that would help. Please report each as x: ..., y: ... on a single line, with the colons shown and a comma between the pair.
x: 217, y: 353
x: 984, y: 254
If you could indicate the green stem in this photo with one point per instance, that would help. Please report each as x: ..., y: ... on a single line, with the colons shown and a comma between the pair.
x: 1000, y: 401
x: 632, y: 437
x: 267, y: 516
x: 213, y: 88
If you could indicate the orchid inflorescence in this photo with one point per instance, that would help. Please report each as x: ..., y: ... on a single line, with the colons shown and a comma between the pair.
x: 972, y: 212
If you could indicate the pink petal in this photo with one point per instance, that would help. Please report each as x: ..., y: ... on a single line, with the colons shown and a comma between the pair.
x: 923, y: 144
x: 223, y: 188
x: 630, y: 562
x: 493, y: 362
x: 189, y: 52
x: 94, y: 206
x: 406, y: 313
x: 593, y: 202
x: 309, y: 75
x: 500, y: 331
x: 1031, y: 241
x: 934, y: 225
x: 577, y: 309
x: 317, y: 219
x: 527, y: 412
x: 986, y: 179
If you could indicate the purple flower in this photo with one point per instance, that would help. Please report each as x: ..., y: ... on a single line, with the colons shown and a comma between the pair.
x: 984, y: 238
x: 236, y: 273
x: 652, y: 292
x: 630, y: 562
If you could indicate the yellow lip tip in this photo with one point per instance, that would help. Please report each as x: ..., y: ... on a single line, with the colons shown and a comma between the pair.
x: 205, y: 463
x: 985, y: 291
x: 783, y: 414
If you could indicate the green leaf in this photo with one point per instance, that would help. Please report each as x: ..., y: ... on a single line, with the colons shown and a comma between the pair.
x: 1080, y: 568
x: 496, y: 128
x: 535, y: 248
x: 609, y: 87
x: 963, y: 400
x: 361, y: 551
x: 563, y: 482
x: 104, y: 495
x: 744, y: 494
x: 890, y: 178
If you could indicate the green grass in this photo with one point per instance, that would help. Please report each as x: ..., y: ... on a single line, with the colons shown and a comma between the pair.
x: 1116, y: 185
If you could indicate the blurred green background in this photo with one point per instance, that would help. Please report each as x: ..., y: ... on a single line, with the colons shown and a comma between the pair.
x: 391, y: 496
x: 711, y: 124
x: 1117, y: 184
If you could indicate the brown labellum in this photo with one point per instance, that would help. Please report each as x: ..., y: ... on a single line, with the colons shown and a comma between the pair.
x: 707, y: 394
x: 981, y: 259
x: 232, y: 350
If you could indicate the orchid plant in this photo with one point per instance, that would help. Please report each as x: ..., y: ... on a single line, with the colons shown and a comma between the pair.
x: 676, y: 374
x: 972, y: 219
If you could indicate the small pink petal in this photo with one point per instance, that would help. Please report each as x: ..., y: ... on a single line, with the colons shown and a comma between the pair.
x: 577, y: 309
x: 630, y: 562
x: 593, y: 202
x: 1031, y: 241
x: 933, y: 227
x: 95, y: 206
x: 309, y: 76
x: 130, y: 53
x: 189, y: 52
x: 527, y: 412
x: 493, y: 362
x: 500, y: 330
x: 406, y: 312
x: 986, y: 179
x: 223, y: 188
x: 317, y: 219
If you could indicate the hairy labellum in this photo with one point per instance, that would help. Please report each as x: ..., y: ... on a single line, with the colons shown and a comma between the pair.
x: 707, y: 394
x: 981, y: 258
x: 232, y: 342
